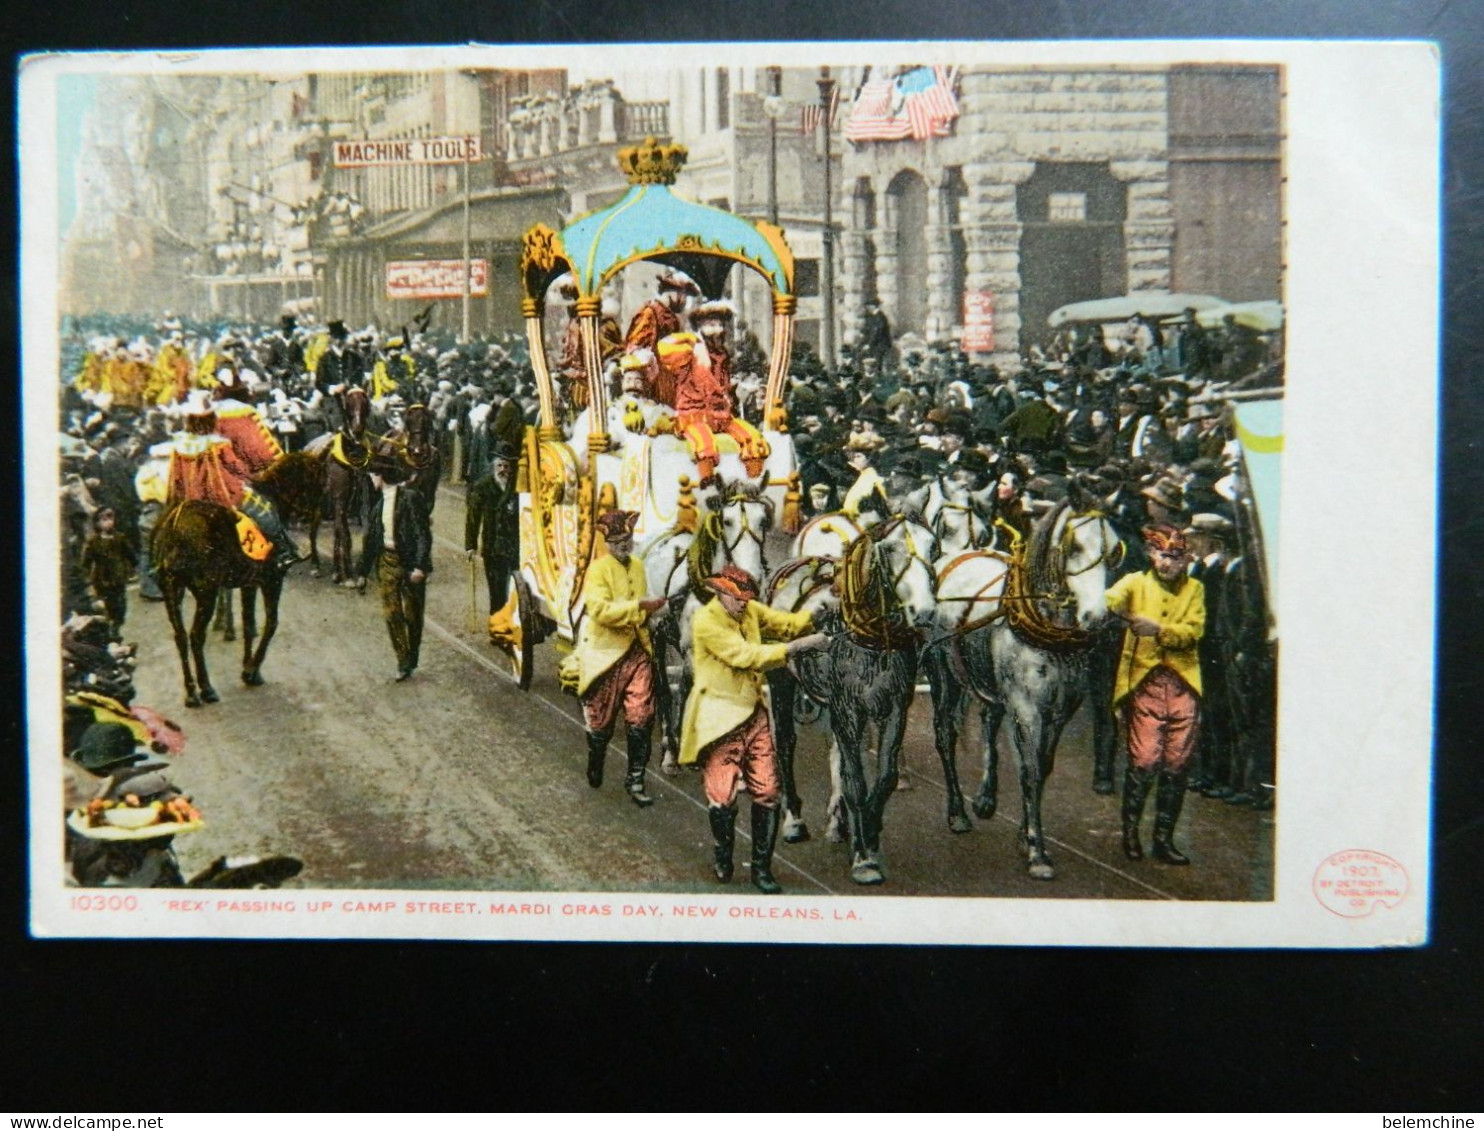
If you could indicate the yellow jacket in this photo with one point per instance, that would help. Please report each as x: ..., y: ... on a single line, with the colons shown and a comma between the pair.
x: 729, y: 659
x: 1181, y: 613
x: 613, y: 620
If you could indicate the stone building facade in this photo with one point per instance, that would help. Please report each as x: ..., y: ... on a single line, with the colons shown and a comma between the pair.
x: 1058, y: 185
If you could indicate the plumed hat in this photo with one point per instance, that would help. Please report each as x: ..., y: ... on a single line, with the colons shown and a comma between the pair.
x: 1166, y: 538
x: 617, y: 524
x: 678, y: 281
x: 735, y: 582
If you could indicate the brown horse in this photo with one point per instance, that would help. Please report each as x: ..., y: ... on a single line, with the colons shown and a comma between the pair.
x: 195, y: 549
x: 415, y: 446
x: 348, y: 452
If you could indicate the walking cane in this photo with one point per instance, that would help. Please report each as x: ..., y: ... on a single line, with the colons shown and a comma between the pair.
x: 471, y: 621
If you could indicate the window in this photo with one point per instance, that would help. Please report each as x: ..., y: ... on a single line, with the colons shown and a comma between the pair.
x: 723, y: 98
x: 806, y: 277
x: 1066, y: 207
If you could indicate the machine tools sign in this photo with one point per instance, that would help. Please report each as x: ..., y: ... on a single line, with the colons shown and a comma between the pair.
x: 406, y: 151
x: 436, y: 278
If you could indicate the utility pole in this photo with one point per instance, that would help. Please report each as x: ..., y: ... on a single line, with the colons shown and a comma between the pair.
x: 468, y: 266
x: 827, y: 256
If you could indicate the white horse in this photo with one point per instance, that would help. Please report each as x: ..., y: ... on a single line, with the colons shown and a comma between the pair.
x: 876, y: 597
x: 734, y: 527
x: 1017, y: 631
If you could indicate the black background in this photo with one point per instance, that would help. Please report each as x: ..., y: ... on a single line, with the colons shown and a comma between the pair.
x: 249, y: 1026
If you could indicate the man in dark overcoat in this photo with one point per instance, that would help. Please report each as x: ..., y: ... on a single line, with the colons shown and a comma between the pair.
x: 398, y: 550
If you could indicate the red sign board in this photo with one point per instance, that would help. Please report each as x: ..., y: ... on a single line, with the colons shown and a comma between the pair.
x: 978, y: 322
x: 436, y: 278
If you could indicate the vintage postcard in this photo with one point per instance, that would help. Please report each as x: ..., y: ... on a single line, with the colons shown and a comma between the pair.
x: 820, y: 493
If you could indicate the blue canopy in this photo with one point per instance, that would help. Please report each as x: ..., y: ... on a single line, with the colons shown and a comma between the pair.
x: 651, y: 222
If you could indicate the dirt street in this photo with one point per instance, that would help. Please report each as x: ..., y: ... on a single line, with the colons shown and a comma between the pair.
x: 458, y: 780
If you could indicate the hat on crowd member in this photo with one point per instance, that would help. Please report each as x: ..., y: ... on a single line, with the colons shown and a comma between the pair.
x: 337, y: 329
x: 958, y: 424
x: 673, y: 280
x: 106, y: 746
x: 505, y: 450
x: 1164, y: 537
x: 735, y: 582
x: 1208, y: 522
x: 971, y: 460
x: 1200, y: 410
x: 1167, y: 493
x: 287, y: 322
x: 617, y: 524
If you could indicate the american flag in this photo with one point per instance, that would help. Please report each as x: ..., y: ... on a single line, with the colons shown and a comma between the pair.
x: 918, y: 104
x: 809, y: 115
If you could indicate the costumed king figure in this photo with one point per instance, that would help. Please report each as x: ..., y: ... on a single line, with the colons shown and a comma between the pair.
x: 726, y: 724
x: 613, y: 658
x: 1158, y: 686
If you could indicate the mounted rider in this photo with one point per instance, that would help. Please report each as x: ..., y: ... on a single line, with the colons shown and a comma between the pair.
x: 217, y: 456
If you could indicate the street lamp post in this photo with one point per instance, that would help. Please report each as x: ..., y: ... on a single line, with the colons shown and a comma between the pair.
x: 827, y: 249
x: 773, y: 108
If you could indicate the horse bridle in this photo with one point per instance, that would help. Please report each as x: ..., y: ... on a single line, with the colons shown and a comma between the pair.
x: 1109, y: 555
x: 747, y: 531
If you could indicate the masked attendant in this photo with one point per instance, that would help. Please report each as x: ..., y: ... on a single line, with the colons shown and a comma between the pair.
x: 726, y: 725
x: 613, y: 656
x: 1158, y: 686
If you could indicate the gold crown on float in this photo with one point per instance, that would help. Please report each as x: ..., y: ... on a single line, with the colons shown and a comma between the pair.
x: 652, y: 163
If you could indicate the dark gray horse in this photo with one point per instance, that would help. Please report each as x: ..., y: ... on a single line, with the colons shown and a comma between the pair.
x: 875, y: 599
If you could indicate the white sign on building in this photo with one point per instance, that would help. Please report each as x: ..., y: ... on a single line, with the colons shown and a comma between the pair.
x: 366, y: 153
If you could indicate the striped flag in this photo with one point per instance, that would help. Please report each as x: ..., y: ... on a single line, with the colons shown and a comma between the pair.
x: 809, y: 114
x: 875, y: 115
x: 919, y: 104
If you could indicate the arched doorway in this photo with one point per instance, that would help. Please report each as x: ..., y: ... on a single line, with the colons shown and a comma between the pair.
x: 1071, y: 240
x: 907, y: 196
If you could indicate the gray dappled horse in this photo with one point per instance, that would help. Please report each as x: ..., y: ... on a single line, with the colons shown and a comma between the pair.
x: 1017, y: 631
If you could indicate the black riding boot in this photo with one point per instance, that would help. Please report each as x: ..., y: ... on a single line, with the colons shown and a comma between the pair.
x: 597, y: 750
x: 764, y: 833
x: 723, y: 832
x: 1167, y: 801
x: 1136, y: 785
x: 638, y: 759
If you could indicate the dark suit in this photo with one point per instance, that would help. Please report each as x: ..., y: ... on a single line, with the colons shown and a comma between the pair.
x: 495, y: 511
x: 401, y: 598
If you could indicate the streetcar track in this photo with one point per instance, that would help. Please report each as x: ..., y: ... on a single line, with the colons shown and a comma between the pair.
x: 453, y: 639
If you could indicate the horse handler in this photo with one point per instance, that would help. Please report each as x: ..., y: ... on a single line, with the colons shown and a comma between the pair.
x: 613, y: 657
x: 1158, y: 684
x: 726, y: 717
